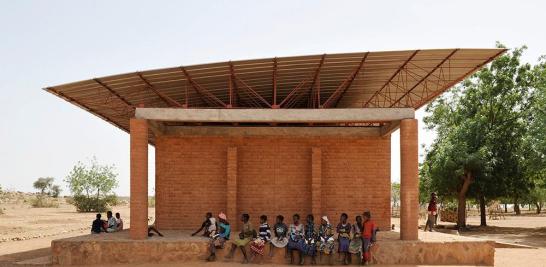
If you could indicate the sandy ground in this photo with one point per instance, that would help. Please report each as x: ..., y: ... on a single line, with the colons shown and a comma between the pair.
x: 26, y: 234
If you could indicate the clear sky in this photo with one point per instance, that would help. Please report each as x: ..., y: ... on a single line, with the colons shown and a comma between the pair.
x: 45, y: 43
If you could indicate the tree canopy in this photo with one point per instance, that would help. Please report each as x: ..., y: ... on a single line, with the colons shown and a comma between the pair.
x: 481, y: 127
x: 92, y: 185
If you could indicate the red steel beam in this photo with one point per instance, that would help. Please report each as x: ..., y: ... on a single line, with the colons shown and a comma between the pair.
x: 275, y: 83
x: 390, y: 79
x: 234, y: 88
x: 163, y: 97
x: 432, y: 96
x: 295, y: 90
x: 248, y: 87
x: 204, y: 93
x: 292, y: 97
x: 114, y: 92
x: 425, y: 77
x: 336, y: 95
x: 79, y: 104
x: 315, y: 79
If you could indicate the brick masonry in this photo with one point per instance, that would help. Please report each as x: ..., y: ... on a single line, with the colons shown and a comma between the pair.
x: 409, y: 180
x: 270, y: 175
x: 139, y: 178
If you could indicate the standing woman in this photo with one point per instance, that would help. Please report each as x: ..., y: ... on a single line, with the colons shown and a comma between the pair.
x: 344, y: 229
x: 432, y: 212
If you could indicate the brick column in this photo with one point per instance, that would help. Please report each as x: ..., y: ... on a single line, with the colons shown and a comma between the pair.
x: 231, y: 192
x: 409, y: 180
x: 139, y: 179
x: 316, y: 182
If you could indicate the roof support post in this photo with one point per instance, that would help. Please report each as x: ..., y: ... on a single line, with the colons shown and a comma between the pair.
x: 274, y: 84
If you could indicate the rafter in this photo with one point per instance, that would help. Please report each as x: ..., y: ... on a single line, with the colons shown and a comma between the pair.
x: 453, y: 83
x: 248, y: 87
x: 338, y: 93
x: 293, y: 96
x: 315, y: 80
x: 295, y: 90
x: 425, y: 77
x: 234, y: 90
x: 392, y: 77
x: 114, y: 92
x: 163, y: 97
x: 204, y: 93
x: 274, y: 81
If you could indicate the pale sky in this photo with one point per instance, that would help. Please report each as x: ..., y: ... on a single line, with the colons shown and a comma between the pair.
x: 44, y: 43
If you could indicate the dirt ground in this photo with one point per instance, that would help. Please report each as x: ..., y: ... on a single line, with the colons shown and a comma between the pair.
x: 26, y: 234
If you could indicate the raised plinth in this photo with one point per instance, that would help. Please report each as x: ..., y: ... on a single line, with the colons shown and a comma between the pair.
x: 178, y: 246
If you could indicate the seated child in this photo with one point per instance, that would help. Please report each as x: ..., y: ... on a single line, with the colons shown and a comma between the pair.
x: 246, y: 234
x: 325, y: 238
x: 119, y: 222
x: 257, y: 246
x: 344, y: 229
x: 280, y: 230
x: 218, y: 240
x: 209, y: 225
x: 98, y: 225
x: 295, y: 235
x: 153, y: 228
x: 112, y: 224
x: 368, y: 236
x: 355, y: 247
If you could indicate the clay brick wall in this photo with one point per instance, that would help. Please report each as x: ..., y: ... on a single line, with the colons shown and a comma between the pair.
x: 273, y: 176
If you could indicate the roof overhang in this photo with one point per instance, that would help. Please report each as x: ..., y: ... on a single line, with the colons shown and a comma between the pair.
x: 384, y: 79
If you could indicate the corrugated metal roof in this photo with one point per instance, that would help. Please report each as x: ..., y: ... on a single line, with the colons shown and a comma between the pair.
x: 382, y: 79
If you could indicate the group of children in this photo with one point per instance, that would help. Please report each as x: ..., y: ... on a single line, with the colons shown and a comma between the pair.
x: 304, y: 238
x: 108, y: 226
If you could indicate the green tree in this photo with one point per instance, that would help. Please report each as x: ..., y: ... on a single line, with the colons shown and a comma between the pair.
x: 534, y: 149
x: 92, y: 186
x: 479, y: 126
x: 43, y: 183
x: 46, y: 186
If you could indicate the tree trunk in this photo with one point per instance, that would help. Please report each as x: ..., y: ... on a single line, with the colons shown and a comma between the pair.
x: 505, y: 208
x: 483, y: 212
x: 516, y: 208
x: 461, y: 198
x: 539, y: 207
x: 529, y: 207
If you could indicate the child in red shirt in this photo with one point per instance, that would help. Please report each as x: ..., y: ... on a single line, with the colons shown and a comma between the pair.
x: 368, y: 237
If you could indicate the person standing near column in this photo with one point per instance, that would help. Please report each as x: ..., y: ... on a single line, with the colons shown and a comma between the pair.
x: 432, y: 212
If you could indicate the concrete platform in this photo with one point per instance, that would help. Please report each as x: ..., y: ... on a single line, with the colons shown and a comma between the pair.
x: 180, y: 246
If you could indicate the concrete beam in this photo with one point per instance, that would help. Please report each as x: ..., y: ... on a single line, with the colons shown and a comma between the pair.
x: 272, y: 131
x: 337, y: 115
